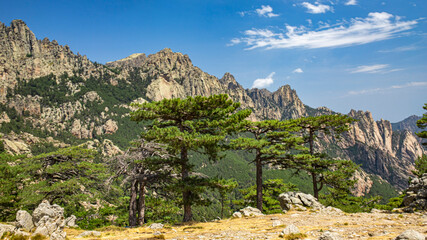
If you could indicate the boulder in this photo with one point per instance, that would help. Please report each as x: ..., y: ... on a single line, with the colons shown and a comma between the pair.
x: 298, y: 200
x: 416, y: 195
x: 49, y: 220
x: 237, y: 215
x: 156, y: 226
x: 250, y: 212
x: 291, y: 229
x: 45, y: 209
x: 331, y: 210
x: 24, y: 220
x: 6, y: 228
x: 71, y: 221
x: 329, y: 236
x: 410, y: 235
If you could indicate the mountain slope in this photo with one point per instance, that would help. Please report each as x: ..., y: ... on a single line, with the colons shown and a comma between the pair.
x: 48, y: 91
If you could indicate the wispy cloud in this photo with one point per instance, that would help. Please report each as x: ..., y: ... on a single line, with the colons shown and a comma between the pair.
x: 376, y: 68
x: 298, y: 70
x: 316, y: 8
x: 351, y: 2
x: 370, y: 69
x: 376, y: 27
x: 399, y: 49
x: 380, y: 90
x: 266, y: 11
x: 264, y: 82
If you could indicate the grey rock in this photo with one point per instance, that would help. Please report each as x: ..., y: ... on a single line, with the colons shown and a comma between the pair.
x: 24, y: 220
x: 6, y: 228
x: 331, y: 210
x: 49, y: 220
x: 156, y: 226
x: 410, y: 235
x: 329, y: 236
x: 416, y: 194
x: 299, y: 201
x: 250, y: 212
x: 71, y: 221
x: 237, y: 215
x: 290, y: 229
x: 45, y: 209
x: 277, y: 223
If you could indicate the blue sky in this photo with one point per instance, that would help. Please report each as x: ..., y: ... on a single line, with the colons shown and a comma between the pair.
x: 343, y: 54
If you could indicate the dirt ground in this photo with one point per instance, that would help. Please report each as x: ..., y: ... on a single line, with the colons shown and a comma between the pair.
x: 313, y: 224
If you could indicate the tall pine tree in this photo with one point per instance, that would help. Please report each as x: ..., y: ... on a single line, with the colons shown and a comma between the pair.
x: 270, y: 141
x: 321, y: 167
x: 192, y: 124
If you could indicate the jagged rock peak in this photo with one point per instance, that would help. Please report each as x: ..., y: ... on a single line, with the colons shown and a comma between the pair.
x: 134, y: 60
x: 167, y: 61
x: 230, y: 82
x: 23, y: 56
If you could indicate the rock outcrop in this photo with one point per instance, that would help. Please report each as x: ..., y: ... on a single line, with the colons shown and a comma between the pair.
x: 416, y: 195
x: 24, y: 56
x: 410, y: 235
x: 248, y: 212
x: 299, y: 201
x: 47, y: 221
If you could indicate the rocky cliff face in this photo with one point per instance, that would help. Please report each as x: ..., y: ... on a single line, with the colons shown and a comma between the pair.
x: 96, y: 109
x: 24, y: 56
x: 409, y: 124
x: 379, y: 150
x: 173, y: 75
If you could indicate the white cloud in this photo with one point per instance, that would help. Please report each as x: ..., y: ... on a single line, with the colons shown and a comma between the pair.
x: 376, y: 27
x: 370, y: 69
x: 298, y: 70
x: 317, y: 8
x: 399, y: 49
x: 263, y: 82
x: 379, y: 90
x: 351, y: 2
x: 377, y: 68
x: 266, y: 11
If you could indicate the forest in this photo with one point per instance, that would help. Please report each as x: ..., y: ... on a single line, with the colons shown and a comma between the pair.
x: 184, y: 166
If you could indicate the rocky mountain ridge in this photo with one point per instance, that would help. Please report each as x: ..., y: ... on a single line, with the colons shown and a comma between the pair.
x: 94, y: 99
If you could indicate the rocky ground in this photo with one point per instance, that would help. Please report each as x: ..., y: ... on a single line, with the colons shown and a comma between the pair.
x: 313, y: 224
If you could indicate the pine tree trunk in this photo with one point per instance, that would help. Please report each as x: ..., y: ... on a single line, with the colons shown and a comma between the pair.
x: 188, y: 215
x: 222, y: 208
x: 313, y: 175
x: 133, y: 207
x: 141, y: 203
x: 315, y: 189
x: 258, y: 183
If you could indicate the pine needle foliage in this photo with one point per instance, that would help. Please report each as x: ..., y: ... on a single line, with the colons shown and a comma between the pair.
x: 271, y: 141
x: 196, y: 124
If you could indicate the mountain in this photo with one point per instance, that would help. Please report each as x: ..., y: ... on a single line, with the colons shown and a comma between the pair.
x: 409, y: 124
x: 49, y: 92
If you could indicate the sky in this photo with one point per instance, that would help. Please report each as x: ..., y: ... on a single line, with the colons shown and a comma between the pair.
x: 343, y: 54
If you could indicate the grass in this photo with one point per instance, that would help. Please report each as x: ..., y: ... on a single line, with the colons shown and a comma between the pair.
x: 294, y: 236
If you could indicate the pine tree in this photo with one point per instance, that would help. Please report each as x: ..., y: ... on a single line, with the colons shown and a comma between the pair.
x: 144, y: 165
x: 66, y: 177
x: 271, y: 141
x: 192, y: 124
x: 421, y: 162
x: 224, y: 187
x: 422, y: 123
x: 321, y: 167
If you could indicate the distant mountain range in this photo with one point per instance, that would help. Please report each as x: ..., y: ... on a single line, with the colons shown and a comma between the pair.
x: 52, y: 97
x: 409, y: 124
